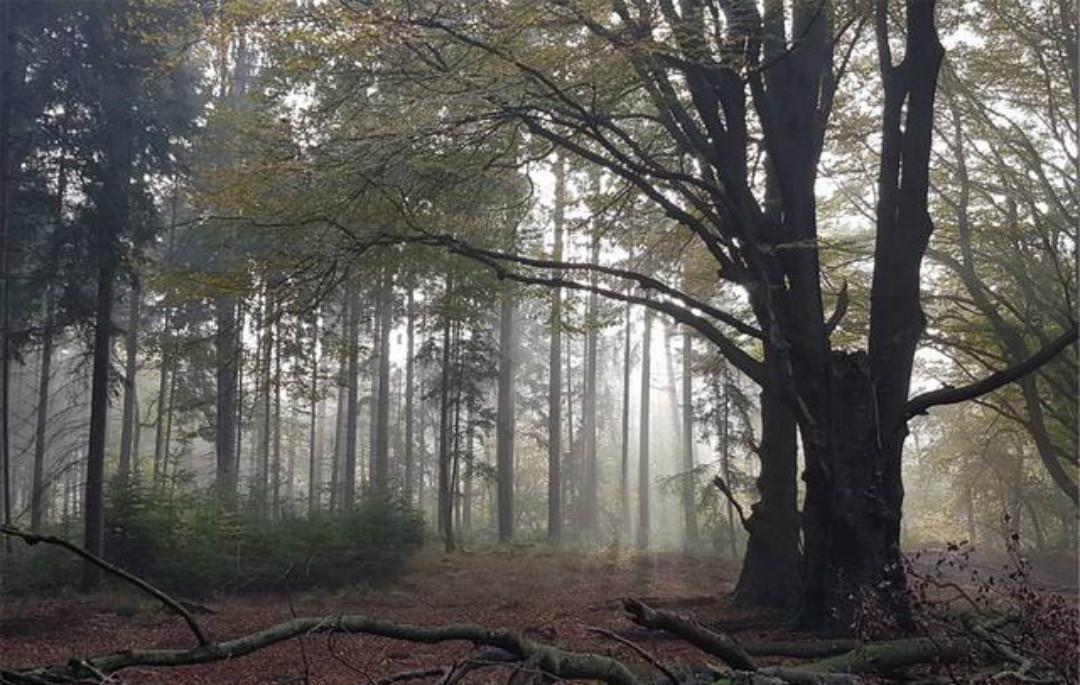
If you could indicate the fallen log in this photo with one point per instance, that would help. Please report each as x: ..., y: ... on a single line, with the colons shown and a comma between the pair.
x: 893, y: 655
x: 560, y: 663
x: 813, y: 649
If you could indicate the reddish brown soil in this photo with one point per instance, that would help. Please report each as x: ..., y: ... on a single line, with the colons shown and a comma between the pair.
x: 551, y: 598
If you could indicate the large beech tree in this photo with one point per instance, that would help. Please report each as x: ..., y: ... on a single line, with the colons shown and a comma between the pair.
x: 718, y: 112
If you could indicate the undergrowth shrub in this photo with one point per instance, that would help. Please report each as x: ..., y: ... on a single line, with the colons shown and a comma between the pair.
x: 188, y: 545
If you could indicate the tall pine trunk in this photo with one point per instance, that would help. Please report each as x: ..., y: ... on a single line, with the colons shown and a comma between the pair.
x: 352, y: 334
x: 504, y: 419
x: 226, y: 341
x: 410, y: 389
x: 689, y: 489
x: 624, y: 456
x: 130, y: 411
x: 38, y: 488
x: 591, y: 491
x: 554, y: 522
x: 445, y: 502
x: 315, y: 406
x: 643, y: 434
x: 381, y: 459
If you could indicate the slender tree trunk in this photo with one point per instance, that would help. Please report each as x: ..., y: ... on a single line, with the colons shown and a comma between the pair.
x: 689, y: 493
x: 467, y: 497
x: 267, y: 436
x: 643, y: 435
x: 410, y: 383
x: 315, y: 405
x: 445, y: 504
x: 337, y: 456
x: 624, y: 457
x: 163, y: 387
x: 421, y: 428
x: 238, y: 363
x: 454, y: 516
x: 504, y: 420
x: 130, y: 414
x: 591, y: 490
x: 381, y: 462
x: 568, y: 471
x: 275, y: 509
x: 226, y: 339
x: 168, y: 434
x: 352, y: 325
x: 555, y: 369
x: 37, y: 494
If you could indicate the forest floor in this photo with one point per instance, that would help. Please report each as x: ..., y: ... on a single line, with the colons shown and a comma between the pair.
x: 553, y: 598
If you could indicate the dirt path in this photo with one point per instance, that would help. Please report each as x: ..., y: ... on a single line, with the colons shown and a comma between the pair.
x: 551, y: 598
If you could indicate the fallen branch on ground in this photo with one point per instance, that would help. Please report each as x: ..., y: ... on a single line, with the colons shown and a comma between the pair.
x: 555, y: 661
x: 717, y: 644
x: 173, y: 605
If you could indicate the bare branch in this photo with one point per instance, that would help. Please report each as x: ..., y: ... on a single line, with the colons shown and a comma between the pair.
x: 723, y: 487
x: 948, y: 395
x: 172, y: 604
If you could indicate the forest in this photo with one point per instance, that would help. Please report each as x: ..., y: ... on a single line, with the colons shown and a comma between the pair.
x: 507, y: 341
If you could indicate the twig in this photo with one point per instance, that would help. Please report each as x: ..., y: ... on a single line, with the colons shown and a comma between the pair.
x: 640, y: 651
x: 176, y: 607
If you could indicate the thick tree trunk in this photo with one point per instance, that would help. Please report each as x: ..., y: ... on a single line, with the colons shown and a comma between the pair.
x: 130, y: 413
x: 643, y: 434
x: 851, y: 524
x: 504, y: 419
x: 38, y: 487
x: 852, y: 514
x: 771, y: 566
x: 113, y: 208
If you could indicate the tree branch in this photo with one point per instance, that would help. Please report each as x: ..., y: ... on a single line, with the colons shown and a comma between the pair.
x: 557, y: 662
x: 919, y: 404
x: 169, y: 602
